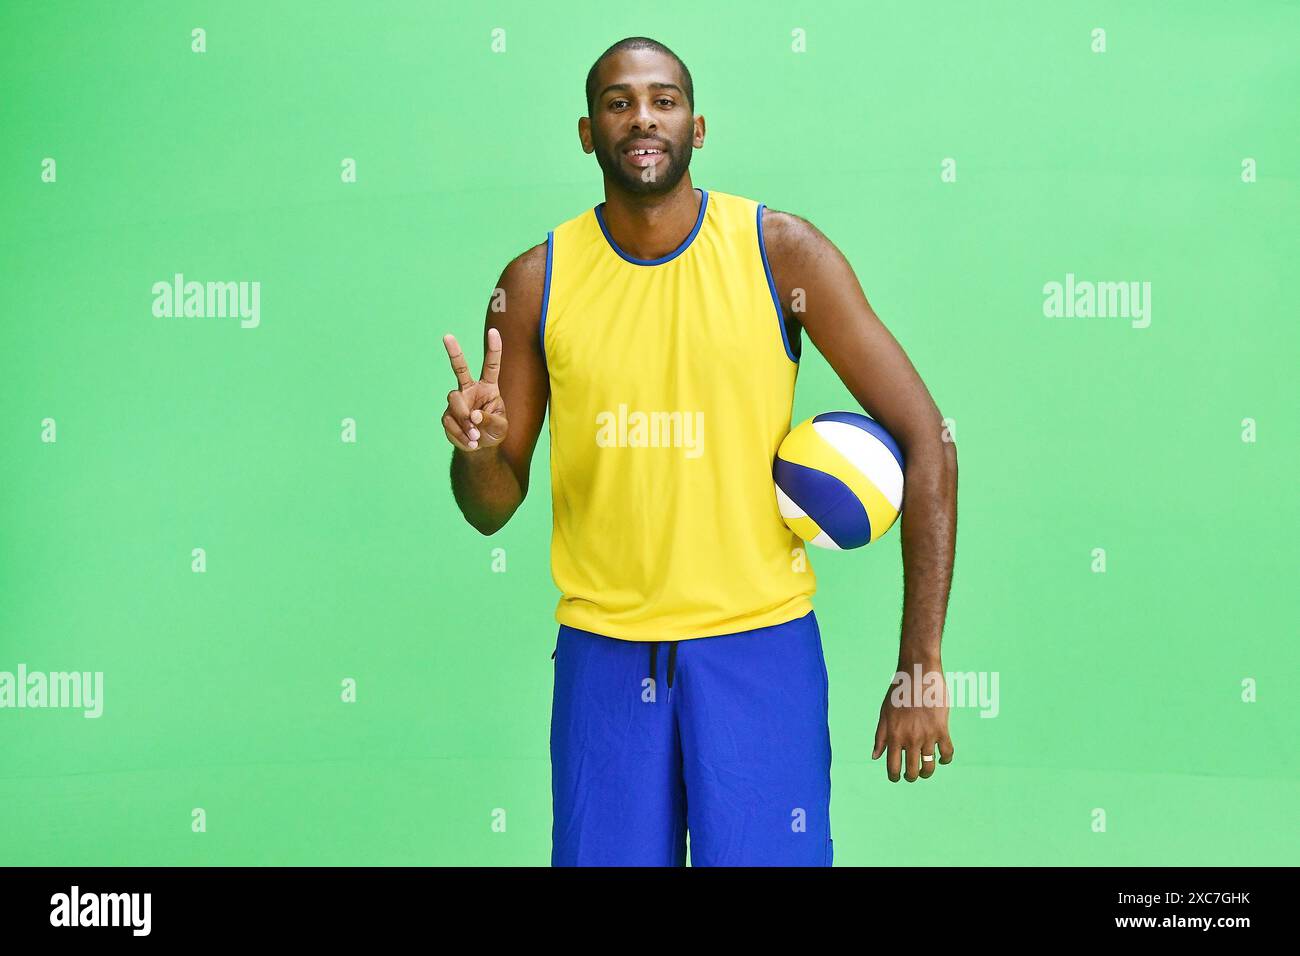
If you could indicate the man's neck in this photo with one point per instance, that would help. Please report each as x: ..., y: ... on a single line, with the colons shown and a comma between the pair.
x: 650, y: 227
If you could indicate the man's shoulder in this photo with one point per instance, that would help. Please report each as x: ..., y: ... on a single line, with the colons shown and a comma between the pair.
x: 528, y: 268
x: 530, y: 263
x: 787, y: 232
x: 522, y: 283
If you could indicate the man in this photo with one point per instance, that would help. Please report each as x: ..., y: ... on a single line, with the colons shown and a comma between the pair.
x: 662, y: 327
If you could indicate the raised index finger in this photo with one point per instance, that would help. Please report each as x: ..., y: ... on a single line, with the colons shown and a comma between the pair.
x: 458, y: 365
x: 492, y: 358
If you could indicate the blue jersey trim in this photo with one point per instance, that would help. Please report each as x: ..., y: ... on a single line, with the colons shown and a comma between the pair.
x: 699, y: 221
x: 771, y: 287
x: 546, y: 293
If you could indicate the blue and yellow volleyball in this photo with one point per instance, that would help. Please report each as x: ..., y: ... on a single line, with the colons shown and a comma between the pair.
x: 839, y: 480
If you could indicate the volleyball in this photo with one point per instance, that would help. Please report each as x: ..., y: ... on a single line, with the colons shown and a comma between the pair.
x: 839, y: 480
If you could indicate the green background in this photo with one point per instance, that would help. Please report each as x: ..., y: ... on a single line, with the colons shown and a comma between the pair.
x: 327, y: 560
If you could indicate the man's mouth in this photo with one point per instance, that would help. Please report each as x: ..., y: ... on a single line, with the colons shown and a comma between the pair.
x: 643, y: 156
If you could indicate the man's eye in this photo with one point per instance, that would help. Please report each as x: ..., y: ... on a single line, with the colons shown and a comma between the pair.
x: 662, y: 99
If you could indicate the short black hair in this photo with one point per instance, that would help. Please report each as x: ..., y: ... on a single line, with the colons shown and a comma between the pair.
x: 639, y: 43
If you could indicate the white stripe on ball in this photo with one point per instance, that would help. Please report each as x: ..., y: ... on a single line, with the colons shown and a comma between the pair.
x: 823, y: 540
x: 865, y: 452
x: 788, y: 508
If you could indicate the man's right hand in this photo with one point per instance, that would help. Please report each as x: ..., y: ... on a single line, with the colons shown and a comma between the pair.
x: 476, y: 414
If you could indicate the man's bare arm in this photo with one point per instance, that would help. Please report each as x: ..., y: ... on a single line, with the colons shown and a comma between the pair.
x: 490, y: 483
x: 873, y: 366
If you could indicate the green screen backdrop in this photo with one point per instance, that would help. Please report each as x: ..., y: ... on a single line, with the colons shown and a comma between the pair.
x: 1126, y: 543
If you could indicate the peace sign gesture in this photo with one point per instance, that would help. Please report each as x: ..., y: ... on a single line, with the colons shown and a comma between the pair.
x: 476, y: 414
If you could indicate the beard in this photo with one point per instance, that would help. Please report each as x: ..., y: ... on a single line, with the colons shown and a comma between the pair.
x: 628, y: 177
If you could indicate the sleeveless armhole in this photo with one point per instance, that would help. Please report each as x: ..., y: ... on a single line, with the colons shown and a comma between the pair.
x: 546, y: 294
x: 771, y: 287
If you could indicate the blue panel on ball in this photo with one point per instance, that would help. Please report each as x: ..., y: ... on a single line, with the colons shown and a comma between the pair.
x: 867, y: 425
x: 827, y: 500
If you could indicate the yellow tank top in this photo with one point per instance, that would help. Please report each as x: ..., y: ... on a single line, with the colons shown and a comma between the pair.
x: 672, y: 384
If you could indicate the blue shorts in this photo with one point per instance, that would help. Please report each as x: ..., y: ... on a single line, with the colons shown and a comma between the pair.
x: 722, y: 737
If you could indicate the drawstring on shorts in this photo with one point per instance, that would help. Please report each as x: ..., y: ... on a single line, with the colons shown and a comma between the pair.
x: 672, y: 660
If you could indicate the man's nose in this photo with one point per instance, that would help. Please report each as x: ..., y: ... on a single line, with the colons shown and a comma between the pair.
x: 644, y: 120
